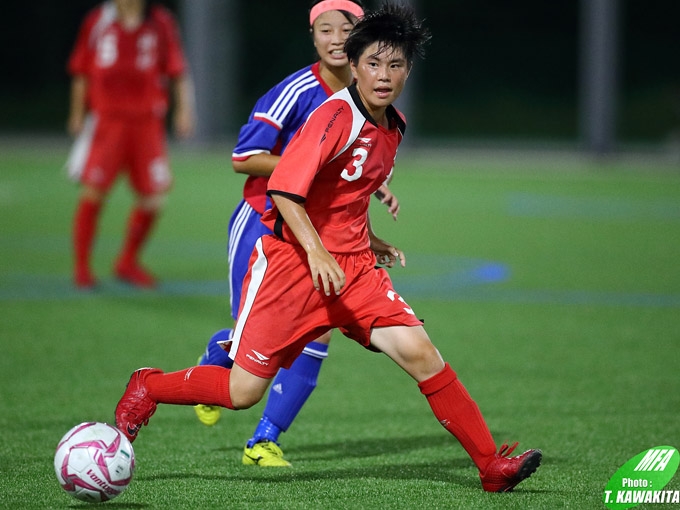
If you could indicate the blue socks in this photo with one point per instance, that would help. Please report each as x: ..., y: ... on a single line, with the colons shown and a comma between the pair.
x: 214, y: 353
x: 288, y: 393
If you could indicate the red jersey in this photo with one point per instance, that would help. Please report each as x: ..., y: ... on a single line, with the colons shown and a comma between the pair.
x: 333, y: 164
x: 128, y: 70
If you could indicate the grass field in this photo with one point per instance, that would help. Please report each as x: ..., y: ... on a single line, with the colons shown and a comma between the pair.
x: 552, y: 285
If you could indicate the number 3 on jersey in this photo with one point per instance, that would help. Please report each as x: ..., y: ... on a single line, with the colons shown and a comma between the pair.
x: 360, y: 154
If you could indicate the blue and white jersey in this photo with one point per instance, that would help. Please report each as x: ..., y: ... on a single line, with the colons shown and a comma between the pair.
x: 276, y: 117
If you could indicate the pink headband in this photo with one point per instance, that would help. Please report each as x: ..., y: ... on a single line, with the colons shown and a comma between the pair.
x: 334, y: 5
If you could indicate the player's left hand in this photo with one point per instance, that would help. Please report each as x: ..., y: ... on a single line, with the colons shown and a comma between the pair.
x: 386, y: 254
x: 387, y: 197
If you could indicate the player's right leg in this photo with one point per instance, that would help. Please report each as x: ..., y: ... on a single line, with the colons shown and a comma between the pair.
x: 216, y: 353
x: 245, y: 228
x: 148, y: 387
x: 94, y: 162
x: 85, y: 223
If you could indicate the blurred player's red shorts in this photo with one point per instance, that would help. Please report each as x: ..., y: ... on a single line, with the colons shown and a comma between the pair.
x: 112, y: 145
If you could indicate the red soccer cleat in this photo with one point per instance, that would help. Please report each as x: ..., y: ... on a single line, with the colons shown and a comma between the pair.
x: 134, y: 274
x: 135, y: 406
x: 504, y: 473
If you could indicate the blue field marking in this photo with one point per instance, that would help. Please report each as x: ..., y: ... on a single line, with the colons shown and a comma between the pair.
x: 594, y: 208
x: 424, y: 274
x: 436, y: 277
x: 54, y: 287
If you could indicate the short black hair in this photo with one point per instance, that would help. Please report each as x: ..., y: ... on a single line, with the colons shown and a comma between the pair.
x: 392, y: 26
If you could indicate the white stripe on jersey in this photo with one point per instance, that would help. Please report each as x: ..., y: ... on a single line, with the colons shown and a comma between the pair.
x: 297, y: 95
x: 257, y: 275
x: 358, y: 119
x: 249, y: 153
x: 235, y: 239
x: 109, y: 14
x: 280, y: 108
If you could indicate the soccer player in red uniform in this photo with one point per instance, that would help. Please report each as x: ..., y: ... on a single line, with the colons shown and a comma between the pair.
x: 321, y: 190
x: 126, y: 57
x: 273, y: 122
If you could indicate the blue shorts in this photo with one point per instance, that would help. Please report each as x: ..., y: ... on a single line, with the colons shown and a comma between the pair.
x: 245, y: 228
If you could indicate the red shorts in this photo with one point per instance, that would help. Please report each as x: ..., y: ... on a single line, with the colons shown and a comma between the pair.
x: 281, y: 311
x: 136, y: 146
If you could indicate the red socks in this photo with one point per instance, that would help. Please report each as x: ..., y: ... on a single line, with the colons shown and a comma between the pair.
x: 139, y: 226
x: 459, y: 414
x: 205, y: 384
x: 84, y: 229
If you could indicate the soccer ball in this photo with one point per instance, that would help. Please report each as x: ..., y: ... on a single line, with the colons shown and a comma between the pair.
x: 94, y: 462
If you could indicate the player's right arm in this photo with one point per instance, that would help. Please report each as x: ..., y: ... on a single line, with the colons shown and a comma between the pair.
x: 257, y: 165
x: 78, y: 106
x: 79, y: 67
x: 325, y: 270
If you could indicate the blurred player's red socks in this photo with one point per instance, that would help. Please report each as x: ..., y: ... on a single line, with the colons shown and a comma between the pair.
x: 84, y: 229
x: 205, y: 384
x: 459, y: 414
x: 139, y: 226
x: 127, y: 268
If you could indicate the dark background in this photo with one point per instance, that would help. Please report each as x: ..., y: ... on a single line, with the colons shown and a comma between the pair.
x: 495, y: 69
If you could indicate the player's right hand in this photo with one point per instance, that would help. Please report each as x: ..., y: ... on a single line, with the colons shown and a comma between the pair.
x: 326, y: 272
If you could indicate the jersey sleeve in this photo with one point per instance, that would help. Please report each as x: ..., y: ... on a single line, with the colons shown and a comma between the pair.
x: 277, y: 115
x: 257, y: 135
x: 317, y: 142
x: 80, y: 60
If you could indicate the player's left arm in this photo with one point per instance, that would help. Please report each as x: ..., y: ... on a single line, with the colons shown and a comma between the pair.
x: 385, y: 195
x: 325, y: 270
x: 184, y: 116
x: 175, y: 67
x: 386, y: 253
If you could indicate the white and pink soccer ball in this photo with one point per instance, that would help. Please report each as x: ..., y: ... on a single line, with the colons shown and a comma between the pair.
x: 94, y: 462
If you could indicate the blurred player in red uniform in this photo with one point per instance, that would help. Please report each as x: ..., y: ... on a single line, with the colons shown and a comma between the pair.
x: 127, y: 58
x: 321, y: 189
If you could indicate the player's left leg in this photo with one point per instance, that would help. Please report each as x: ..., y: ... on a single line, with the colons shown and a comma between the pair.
x: 151, y: 179
x: 289, y: 391
x: 411, y: 349
x: 140, y: 224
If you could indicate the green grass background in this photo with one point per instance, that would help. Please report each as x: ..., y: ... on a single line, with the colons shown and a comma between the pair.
x: 570, y: 344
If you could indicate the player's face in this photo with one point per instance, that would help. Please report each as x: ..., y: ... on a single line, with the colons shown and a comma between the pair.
x: 330, y: 32
x: 380, y: 74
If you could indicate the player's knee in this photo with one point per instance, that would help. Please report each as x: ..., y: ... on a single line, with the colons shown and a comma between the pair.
x: 92, y: 194
x: 153, y: 202
x: 245, y: 390
x: 243, y: 400
x: 422, y: 359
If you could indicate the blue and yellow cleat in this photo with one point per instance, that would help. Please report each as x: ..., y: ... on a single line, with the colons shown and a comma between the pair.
x: 208, y: 415
x: 264, y: 454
